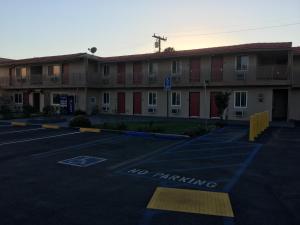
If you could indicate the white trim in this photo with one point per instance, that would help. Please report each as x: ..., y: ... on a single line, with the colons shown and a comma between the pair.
x: 177, y: 92
x: 240, y: 107
x: 103, y: 103
x: 154, y: 92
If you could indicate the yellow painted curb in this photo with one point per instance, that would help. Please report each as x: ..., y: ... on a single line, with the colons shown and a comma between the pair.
x: 19, y: 124
x: 95, y: 130
x: 50, y: 126
x: 191, y: 201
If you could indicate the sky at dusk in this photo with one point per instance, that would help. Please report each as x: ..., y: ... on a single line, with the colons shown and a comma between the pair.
x: 52, y: 27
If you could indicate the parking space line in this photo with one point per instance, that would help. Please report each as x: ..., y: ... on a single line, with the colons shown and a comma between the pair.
x: 208, y: 149
x: 21, y: 131
x: 197, y: 158
x: 77, y: 147
x: 206, y: 167
x: 39, y: 138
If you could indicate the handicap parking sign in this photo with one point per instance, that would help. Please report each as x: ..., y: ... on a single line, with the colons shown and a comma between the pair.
x: 82, y: 161
x: 168, y: 83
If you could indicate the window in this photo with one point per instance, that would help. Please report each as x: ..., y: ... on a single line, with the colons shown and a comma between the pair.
x: 92, y: 99
x: 55, y: 99
x: 21, y: 72
x: 152, y: 98
x: 240, y: 99
x: 152, y: 68
x: 18, y: 98
x: 105, y: 98
x: 175, y: 98
x: 54, y: 70
x: 106, y: 70
x: 242, y: 62
x: 175, y: 66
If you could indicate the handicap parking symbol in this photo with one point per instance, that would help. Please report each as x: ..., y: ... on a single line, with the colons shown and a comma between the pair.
x: 82, y: 161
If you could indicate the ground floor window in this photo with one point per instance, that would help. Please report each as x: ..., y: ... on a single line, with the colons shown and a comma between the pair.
x: 240, y: 99
x: 18, y: 98
x: 105, y: 98
x: 55, y: 99
x: 152, y: 98
x: 175, y: 98
x: 92, y: 99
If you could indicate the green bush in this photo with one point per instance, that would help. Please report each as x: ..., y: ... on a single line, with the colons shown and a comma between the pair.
x: 121, y: 126
x: 28, y: 110
x: 79, y: 112
x: 6, y: 112
x: 80, y: 121
x: 49, y: 110
x: 195, y: 131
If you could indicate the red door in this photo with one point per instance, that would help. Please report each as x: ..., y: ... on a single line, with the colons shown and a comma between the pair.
x: 137, y: 73
x: 195, y: 70
x: 214, y: 112
x: 137, y: 103
x: 217, y: 68
x: 121, y: 102
x: 121, y: 73
x: 194, y: 104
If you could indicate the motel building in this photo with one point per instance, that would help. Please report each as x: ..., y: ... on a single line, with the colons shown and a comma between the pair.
x: 259, y: 76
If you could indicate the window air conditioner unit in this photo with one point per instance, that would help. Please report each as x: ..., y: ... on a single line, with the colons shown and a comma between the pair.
x: 241, y: 76
x: 240, y: 113
x: 175, y: 111
x: 151, y: 110
x: 105, y: 108
x: 54, y: 79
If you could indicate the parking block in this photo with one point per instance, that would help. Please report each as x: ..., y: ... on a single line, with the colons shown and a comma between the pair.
x: 191, y: 201
x: 50, y: 126
x: 94, y: 130
x: 19, y: 124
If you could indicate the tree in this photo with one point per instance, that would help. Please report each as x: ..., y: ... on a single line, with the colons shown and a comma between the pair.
x: 222, y: 100
x: 169, y: 49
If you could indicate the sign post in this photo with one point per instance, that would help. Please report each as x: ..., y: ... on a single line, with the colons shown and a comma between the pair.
x: 167, y: 87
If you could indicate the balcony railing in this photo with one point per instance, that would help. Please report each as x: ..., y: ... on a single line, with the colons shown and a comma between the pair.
x: 272, y: 72
x: 73, y: 79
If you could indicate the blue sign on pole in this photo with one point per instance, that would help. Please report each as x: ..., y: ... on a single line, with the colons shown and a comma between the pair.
x: 168, y: 83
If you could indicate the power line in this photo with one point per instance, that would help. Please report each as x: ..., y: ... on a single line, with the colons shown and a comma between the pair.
x: 236, y: 31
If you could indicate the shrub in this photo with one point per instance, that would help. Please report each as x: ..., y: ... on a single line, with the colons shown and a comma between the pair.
x: 28, y: 110
x: 80, y: 121
x: 195, y: 131
x: 6, y: 112
x: 79, y: 112
x: 121, y: 126
x: 49, y: 110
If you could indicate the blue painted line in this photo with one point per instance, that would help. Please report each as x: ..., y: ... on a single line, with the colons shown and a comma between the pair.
x: 147, y: 216
x: 211, y: 150
x: 206, y: 168
x: 241, y: 170
x: 197, y: 158
x: 228, y: 221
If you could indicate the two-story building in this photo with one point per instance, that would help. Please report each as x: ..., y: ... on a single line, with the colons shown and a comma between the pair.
x: 260, y: 76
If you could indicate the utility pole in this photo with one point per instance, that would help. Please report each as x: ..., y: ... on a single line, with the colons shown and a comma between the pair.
x: 158, y: 41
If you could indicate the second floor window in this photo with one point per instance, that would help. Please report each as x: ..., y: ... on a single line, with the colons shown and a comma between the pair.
x: 152, y: 68
x: 240, y: 99
x: 175, y: 66
x: 242, y: 62
x: 105, y: 98
x: 18, y: 98
x: 54, y: 70
x: 152, y: 98
x: 175, y: 98
x: 106, y: 70
x: 21, y: 72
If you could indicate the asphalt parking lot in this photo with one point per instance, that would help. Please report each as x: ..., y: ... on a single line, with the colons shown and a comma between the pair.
x: 62, y: 176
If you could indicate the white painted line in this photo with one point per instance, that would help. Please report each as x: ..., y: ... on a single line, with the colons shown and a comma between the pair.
x: 21, y: 131
x: 76, y: 147
x: 35, y: 139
